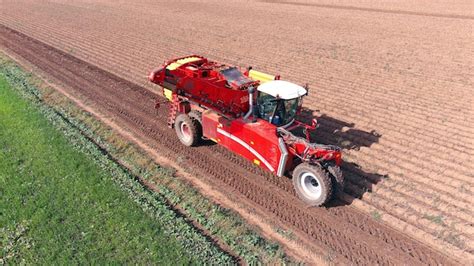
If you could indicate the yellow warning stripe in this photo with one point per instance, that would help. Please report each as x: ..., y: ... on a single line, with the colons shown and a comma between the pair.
x: 168, y: 94
x: 260, y: 76
x: 181, y: 62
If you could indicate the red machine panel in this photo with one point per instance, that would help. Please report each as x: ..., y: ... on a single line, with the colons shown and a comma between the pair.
x: 256, y: 141
x: 207, y: 83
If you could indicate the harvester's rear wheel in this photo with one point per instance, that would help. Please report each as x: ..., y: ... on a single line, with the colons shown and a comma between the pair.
x: 187, y: 129
x: 312, y: 184
x: 337, y: 178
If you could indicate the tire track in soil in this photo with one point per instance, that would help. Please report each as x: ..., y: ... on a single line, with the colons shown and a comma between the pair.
x: 107, y: 43
x: 446, y: 155
x: 437, y: 153
x: 377, y: 10
x: 440, y: 153
x: 344, y: 230
x: 382, y: 152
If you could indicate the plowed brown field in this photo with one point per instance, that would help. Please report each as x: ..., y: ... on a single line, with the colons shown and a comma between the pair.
x: 393, y: 86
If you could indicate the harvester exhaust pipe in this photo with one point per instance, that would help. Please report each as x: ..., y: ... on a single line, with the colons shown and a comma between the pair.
x: 251, y: 105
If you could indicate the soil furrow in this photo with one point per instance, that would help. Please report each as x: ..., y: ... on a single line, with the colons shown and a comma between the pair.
x: 445, y: 155
x: 348, y: 232
x: 373, y: 93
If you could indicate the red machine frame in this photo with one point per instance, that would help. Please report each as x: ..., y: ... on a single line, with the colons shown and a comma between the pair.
x: 224, y: 109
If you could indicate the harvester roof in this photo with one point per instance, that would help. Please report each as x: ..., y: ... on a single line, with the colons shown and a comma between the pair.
x: 282, y: 89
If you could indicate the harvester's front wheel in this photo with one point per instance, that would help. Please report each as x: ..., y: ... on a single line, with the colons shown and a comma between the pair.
x: 312, y: 184
x: 187, y: 129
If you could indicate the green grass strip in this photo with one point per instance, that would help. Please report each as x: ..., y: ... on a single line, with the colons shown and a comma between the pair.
x: 62, y: 199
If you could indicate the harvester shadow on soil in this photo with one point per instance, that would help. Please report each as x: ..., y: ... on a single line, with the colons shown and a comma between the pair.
x: 255, y: 115
x: 333, y: 131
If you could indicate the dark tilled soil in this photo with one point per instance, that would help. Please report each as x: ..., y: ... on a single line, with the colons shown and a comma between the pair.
x: 351, y: 235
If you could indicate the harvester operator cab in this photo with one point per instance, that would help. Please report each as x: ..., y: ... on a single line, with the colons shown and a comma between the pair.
x: 278, y: 101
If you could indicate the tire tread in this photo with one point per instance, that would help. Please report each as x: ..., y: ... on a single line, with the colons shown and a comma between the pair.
x: 321, y: 174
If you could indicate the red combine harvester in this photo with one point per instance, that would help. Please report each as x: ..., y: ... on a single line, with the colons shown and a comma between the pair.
x: 250, y: 113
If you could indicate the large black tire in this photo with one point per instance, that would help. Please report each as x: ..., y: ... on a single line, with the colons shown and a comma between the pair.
x: 337, y: 178
x: 312, y: 184
x: 188, y: 130
x: 196, y: 116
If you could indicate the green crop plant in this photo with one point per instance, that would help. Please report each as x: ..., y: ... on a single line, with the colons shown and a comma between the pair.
x: 220, y: 222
